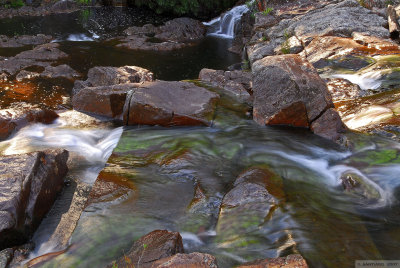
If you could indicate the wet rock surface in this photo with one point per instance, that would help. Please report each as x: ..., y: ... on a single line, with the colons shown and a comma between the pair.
x: 22, y: 114
x: 174, y: 34
x: 193, y: 260
x: 290, y: 261
x: 256, y: 191
x: 152, y: 247
x: 33, y: 181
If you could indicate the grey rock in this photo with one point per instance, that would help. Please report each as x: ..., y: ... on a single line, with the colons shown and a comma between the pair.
x: 107, y: 76
x: 24, y: 40
x: 236, y: 83
x: 32, y: 182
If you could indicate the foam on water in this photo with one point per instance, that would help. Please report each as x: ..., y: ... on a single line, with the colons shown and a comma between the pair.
x: 365, y: 81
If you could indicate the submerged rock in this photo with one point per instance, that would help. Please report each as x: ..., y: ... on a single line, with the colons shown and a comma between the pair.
x: 246, y: 206
x: 152, y: 247
x: 109, y: 186
x: 19, y: 115
x: 290, y: 261
x: 174, y: 34
x: 33, y: 181
x: 236, y: 83
x: 24, y: 40
x: 192, y: 260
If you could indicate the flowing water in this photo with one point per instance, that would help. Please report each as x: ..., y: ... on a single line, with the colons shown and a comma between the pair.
x: 157, y: 169
x: 224, y: 26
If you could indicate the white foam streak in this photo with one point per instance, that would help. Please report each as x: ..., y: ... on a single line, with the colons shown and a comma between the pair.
x: 365, y: 81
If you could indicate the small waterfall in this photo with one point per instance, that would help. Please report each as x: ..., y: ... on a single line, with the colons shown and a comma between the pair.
x: 224, y: 26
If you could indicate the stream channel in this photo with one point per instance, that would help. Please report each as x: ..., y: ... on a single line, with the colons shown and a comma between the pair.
x: 159, y: 168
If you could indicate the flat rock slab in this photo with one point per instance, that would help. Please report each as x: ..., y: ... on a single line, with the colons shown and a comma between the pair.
x: 340, y: 19
x: 24, y: 40
x: 29, y: 184
x: 152, y: 247
x: 170, y: 104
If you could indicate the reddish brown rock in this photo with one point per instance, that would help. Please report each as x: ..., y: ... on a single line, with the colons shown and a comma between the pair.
x: 192, y: 260
x: 329, y: 125
x: 342, y: 89
x: 281, y: 81
x: 32, y: 182
x: 291, y: 261
x: 19, y: 115
x: 170, y: 104
x: 294, y: 115
x: 105, y: 101
x: 150, y: 248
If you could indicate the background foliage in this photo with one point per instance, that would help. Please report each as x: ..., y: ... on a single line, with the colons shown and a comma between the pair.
x: 193, y: 8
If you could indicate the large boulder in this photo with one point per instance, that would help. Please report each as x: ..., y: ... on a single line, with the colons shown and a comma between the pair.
x: 174, y: 34
x: 104, y: 92
x: 106, y: 101
x: 170, y: 104
x: 290, y: 261
x: 152, y: 247
x: 19, y: 115
x: 151, y: 103
x: 288, y: 91
x: 236, y: 83
x: 24, y: 40
x: 32, y: 182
